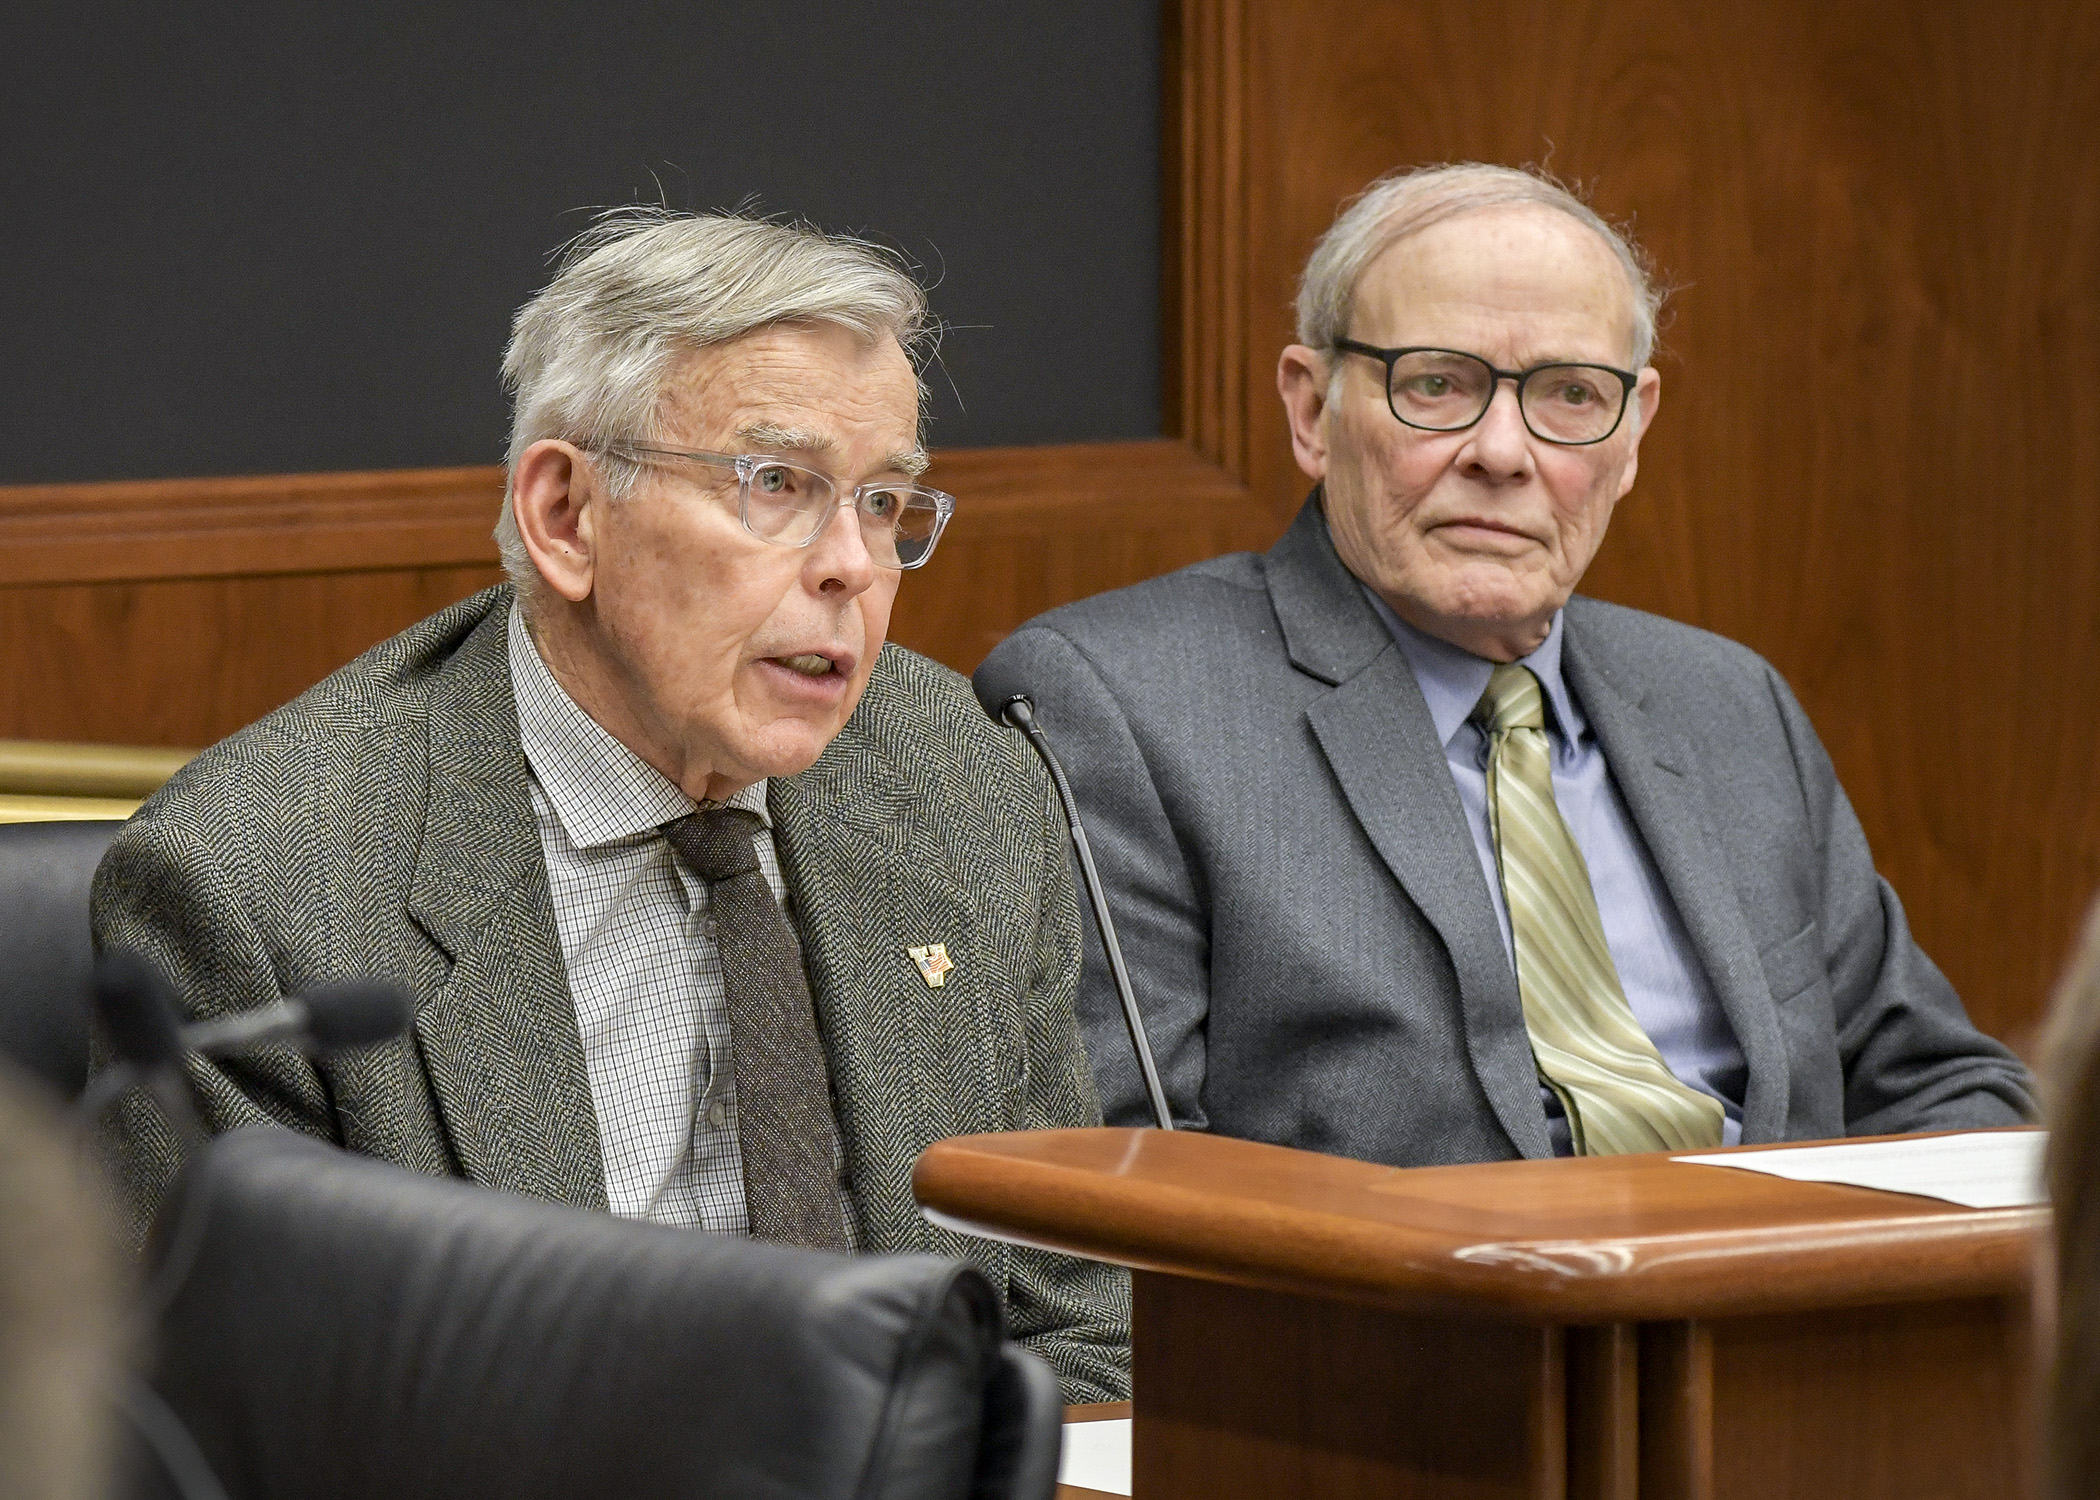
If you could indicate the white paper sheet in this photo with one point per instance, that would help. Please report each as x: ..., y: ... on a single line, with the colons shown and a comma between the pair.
x: 1981, y: 1169
x: 1097, y: 1456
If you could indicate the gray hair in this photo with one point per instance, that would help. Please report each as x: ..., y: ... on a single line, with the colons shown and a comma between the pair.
x: 588, y: 355
x: 1407, y: 202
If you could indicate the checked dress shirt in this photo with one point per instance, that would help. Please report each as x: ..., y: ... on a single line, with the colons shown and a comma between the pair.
x: 644, y: 971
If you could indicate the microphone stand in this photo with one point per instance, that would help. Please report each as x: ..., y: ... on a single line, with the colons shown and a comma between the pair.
x: 1019, y: 713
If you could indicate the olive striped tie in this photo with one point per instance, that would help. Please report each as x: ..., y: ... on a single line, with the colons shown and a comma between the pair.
x: 1618, y: 1092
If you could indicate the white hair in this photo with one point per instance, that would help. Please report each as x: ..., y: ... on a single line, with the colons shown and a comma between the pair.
x: 589, y: 355
x: 1407, y: 202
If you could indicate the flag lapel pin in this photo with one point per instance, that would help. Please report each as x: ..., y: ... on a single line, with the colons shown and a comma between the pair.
x: 934, y: 963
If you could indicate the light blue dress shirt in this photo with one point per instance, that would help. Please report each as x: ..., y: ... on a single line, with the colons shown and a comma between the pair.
x: 1663, y: 980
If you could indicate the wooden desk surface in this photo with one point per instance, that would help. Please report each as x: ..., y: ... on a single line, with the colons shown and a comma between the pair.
x: 1590, y: 1240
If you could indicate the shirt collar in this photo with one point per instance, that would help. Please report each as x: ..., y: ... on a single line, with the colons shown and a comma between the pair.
x: 1452, y: 679
x: 600, y: 790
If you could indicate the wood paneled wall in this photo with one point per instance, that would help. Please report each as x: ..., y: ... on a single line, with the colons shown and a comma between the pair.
x: 1875, y: 462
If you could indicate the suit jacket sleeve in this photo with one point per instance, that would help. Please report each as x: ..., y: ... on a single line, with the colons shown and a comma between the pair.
x: 164, y: 892
x: 1162, y: 920
x: 1911, y: 1058
x: 1074, y: 1313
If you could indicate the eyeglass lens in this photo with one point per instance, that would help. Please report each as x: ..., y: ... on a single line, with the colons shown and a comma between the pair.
x: 790, y: 504
x: 1443, y: 391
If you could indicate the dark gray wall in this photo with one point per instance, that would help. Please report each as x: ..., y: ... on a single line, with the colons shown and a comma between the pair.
x: 290, y: 237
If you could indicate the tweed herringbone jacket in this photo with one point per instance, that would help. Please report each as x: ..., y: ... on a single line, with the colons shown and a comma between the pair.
x: 381, y: 825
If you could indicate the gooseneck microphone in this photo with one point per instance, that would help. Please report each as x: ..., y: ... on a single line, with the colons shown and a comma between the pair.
x: 139, y: 1017
x: 1018, y: 712
x: 146, y: 1037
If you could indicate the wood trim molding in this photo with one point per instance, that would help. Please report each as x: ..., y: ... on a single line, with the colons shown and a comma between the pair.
x: 425, y: 518
x: 248, y: 526
x: 1204, y: 229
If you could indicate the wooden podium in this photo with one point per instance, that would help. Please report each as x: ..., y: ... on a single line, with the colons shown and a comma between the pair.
x: 1608, y: 1327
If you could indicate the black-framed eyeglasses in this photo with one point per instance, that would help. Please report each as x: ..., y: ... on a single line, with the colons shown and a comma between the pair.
x: 789, y: 505
x: 1446, y: 390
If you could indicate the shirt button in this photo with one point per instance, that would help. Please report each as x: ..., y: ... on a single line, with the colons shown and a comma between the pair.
x: 707, y: 928
x: 717, y: 1114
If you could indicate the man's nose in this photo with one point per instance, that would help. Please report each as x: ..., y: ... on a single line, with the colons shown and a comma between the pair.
x: 839, y: 563
x: 1501, y: 444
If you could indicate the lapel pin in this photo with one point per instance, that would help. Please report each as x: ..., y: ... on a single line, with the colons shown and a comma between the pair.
x: 934, y: 963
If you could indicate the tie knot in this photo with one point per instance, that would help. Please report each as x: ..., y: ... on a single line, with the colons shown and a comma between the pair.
x: 1513, y: 700
x: 718, y: 843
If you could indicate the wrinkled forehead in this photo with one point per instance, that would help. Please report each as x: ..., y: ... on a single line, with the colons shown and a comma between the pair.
x: 1527, y: 280
x: 820, y: 388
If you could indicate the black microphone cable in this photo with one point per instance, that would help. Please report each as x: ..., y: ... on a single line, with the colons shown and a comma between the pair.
x: 1018, y: 712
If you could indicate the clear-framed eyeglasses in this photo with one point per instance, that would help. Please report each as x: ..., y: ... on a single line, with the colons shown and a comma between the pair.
x: 1447, y: 390
x: 789, y: 505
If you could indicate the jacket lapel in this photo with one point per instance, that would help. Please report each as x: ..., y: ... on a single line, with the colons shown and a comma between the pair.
x: 1378, y: 738
x: 1660, y: 782
x: 499, y: 1037
x: 910, y: 1063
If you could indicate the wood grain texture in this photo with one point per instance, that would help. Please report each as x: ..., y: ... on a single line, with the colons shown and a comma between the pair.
x: 1568, y: 1241
x: 186, y: 661
x: 1677, y: 1411
x: 1203, y: 289
x: 1830, y: 1403
x: 174, y: 612
x: 1246, y: 1395
x: 1604, y: 1412
x: 1869, y: 467
x: 247, y: 526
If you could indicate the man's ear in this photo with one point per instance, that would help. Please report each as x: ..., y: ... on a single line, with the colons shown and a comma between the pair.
x: 1647, y: 398
x: 555, y: 500
x: 1301, y: 379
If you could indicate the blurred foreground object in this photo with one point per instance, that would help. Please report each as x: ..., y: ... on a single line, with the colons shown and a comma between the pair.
x: 58, y: 1310
x: 474, y: 1342
x: 2071, y: 1092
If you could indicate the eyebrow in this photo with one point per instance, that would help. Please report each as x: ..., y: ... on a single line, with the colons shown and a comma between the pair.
x: 912, y: 462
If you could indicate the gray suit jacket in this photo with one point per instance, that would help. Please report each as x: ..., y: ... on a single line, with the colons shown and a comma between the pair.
x: 382, y: 825
x: 1306, y: 921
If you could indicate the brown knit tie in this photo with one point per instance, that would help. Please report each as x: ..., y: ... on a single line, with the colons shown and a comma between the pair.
x: 785, y: 1129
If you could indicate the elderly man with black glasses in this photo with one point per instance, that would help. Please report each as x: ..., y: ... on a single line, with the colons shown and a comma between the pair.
x: 716, y: 910
x: 1417, y: 856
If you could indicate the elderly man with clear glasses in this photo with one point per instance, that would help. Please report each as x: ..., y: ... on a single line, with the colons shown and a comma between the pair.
x: 1416, y: 855
x: 716, y: 910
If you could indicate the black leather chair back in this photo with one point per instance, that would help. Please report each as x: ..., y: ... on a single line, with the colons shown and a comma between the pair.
x: 352, y: 1329
x: 46, y: 956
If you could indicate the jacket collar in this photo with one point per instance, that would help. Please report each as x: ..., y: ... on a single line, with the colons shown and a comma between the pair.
x: 1658, y: 776
x: 1377, y: 735
x: 499, y: 1038
x: 1328, y: 625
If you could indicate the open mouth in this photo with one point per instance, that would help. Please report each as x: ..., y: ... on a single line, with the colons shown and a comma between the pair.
x: 809, y: 664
